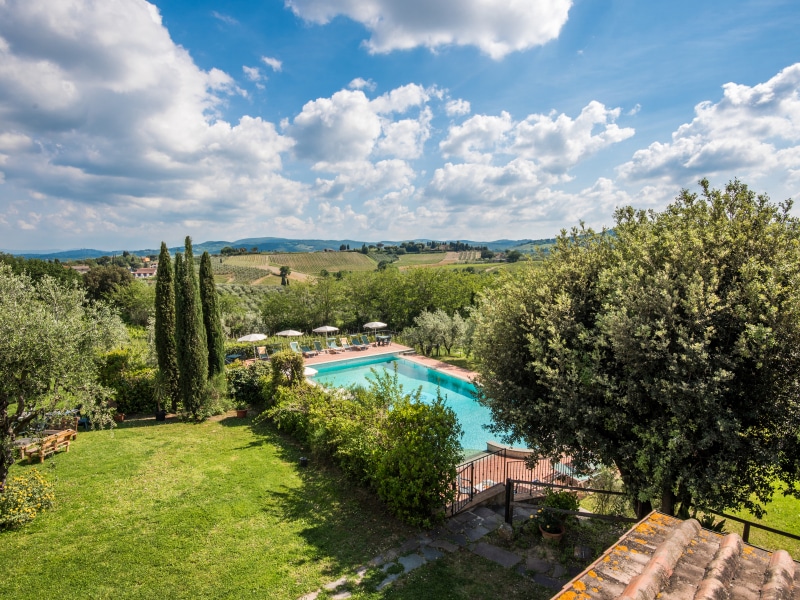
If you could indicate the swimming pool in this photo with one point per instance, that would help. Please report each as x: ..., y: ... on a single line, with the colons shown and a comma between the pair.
x: 458, y: 394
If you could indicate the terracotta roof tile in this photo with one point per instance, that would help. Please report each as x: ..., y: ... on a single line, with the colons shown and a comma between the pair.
x: 666, y: 558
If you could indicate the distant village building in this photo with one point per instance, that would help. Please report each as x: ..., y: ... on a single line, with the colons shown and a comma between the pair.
x: 145, y: 273
x: 82, y: 269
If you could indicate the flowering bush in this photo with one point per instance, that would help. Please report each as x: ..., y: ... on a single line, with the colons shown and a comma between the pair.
x: 23, y: 498
x: 548, y: 521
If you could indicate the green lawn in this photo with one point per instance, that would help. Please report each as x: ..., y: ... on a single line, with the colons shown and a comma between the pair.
x: 783, y: 513
x: 212, y: 510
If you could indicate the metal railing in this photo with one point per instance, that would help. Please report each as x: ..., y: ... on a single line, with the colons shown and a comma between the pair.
x: 516, y: 486
x: 748, y: 524
x: 474, y: 477
x: 495, y: 468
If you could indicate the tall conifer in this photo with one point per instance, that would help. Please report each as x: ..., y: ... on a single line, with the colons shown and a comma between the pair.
x: 165, y: 328
x: 191, y: 334
x: 211, y: 320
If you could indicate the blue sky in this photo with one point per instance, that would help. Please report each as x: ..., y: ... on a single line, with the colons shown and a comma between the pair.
x: 124, y: 123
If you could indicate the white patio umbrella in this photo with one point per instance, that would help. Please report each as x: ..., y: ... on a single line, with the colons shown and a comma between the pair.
x: 374, y: 325
x: 309, y: 372
x: 325, y: 329
x: 252, y: 337
x: 289, y: 333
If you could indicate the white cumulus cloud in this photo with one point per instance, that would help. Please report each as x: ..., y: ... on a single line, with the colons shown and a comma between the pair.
x: 752, y: 132
x: 273, y: 63
x: 555, y: 142
x: 497, y: 28
x: 100, y: 108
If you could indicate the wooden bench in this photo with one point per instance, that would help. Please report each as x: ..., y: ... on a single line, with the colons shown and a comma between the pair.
x: 50, y: 444
x: 61, y: 423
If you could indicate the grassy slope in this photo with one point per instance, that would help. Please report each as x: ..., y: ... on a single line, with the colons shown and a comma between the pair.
x: 413, y: 260
x: 215, y: 510
x: 315, y: 262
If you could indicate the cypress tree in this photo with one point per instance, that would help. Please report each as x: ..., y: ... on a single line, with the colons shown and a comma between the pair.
x: 211, y: 320
x: 165, y: 328
x: 191, y: 334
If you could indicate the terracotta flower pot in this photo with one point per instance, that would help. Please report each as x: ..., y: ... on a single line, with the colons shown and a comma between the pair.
x: 552, y: 537
x: 241, y: 413
x: 119, y: 417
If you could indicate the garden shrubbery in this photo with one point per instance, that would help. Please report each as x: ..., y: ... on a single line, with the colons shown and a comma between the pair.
x: 248, y: 385
x: 24, y: 497
x: 405, y: 449
x: 134, y: 382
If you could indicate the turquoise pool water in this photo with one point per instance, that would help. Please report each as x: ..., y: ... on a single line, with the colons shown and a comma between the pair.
x: 458, y: 394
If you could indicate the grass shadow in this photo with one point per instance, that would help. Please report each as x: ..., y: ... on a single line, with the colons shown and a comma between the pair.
x: 343, y: 520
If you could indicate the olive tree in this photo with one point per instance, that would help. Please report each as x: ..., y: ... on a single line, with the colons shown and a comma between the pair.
x: 668, y: 349
x: 49, y: 336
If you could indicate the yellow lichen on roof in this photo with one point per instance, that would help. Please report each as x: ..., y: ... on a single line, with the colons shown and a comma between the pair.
x: 592, y: 574
x: 644, y: 528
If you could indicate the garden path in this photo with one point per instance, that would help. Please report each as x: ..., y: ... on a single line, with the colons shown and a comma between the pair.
x: 464, y: 532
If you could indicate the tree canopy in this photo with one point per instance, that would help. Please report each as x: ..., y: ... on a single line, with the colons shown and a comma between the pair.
x: 668, y: 348
x: 48, y: 339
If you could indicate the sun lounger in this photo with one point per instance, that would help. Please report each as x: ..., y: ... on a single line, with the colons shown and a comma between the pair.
x: 333, y: 347
x: 261, y: 353
x: 295, y: 347
x: 346, y: 345
x: 319, y: 347
x: 356, y: 343
x: 365, y: 340
x: 308, y: 352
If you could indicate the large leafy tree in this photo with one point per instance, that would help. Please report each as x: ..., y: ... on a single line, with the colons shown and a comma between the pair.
x: 668, y: 349
x: 192, y: 349
x: 215, y: 338
x: 102, y: 281
x: 37, y: 268
x: 166, y: 350
x: 49, y: 336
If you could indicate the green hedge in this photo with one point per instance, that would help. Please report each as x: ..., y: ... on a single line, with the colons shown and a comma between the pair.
x: 133, y: 383
x: 248, y: 385
x: 405, y: 449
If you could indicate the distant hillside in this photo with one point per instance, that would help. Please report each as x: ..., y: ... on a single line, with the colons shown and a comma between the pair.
x: 266, y: 244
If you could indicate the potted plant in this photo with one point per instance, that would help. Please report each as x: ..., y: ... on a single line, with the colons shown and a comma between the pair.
x: 241, y: 410
x: 119, y: 417
x: 550, y: 525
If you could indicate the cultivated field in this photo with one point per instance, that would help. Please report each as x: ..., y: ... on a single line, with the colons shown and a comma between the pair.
x: 249, y: 295
x: 417, y: 260
x: 315, y: 262
x: 249, y: 260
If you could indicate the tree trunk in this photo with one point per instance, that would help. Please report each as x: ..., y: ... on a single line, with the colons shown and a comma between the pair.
x: 668, y: 502
x: 643, y: 509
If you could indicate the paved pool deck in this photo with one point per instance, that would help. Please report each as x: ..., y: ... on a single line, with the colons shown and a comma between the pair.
x: 393, y: 348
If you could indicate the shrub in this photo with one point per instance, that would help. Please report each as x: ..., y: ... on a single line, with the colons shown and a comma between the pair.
x: 134, y: 383
x: 348, y: 427
x: 418, y: 464
x: 243, y: 348
x: 292, y: 409
x: 287, y: 368
x: 564, y: 500
x: 249, y: 385
x: 136, y: 392
x: 24, y: 497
